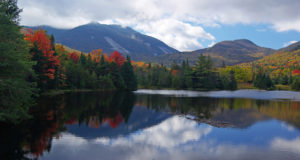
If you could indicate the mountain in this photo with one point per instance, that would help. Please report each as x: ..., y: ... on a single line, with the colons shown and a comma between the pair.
x: 285, y: 61
x: 109, y: 38
x: 229, y: 52
x: 292, y: 47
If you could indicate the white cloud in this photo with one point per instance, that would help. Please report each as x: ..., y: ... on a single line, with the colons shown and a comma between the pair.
x: 288, y: 127
x: 178, y: 34
x: 289, y: 43
x: 171, y: 133
x: 175, y: 138
x: 176, y: 22
x: 212, y: 44
x: 292, y: 145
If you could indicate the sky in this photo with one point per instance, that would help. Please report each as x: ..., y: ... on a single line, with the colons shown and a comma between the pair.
x: 185, y: 25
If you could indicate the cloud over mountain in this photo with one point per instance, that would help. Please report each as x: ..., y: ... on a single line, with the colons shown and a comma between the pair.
x: 178, y: 23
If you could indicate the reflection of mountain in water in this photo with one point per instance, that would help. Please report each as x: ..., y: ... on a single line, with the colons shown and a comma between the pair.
x: 93, y: 115
x: 139, y: 119
x: 239, y: 113
x: 241, y: 118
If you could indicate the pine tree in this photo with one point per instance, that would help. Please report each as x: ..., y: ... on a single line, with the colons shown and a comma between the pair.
x: 15, y: 66
x: 128, y: 75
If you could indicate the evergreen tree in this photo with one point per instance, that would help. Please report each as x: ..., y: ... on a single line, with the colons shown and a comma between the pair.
x: 15, y: 66
x: 106, y: 82
x: 82, y: 59
x: 116, y: 76
x: 263, y: 81
x: 232, y: 85
x: 202, y: 76
x: 128, y: 75
x: 296, y: 83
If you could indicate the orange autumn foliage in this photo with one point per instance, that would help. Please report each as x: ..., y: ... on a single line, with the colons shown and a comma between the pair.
x: 96, y: 55
x: 40, y: 39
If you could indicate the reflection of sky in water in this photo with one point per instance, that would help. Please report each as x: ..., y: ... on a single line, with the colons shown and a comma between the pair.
x: 251, y: 94
x: 180, y: 138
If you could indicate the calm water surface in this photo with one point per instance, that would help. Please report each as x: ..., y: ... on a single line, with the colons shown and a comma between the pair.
x: 159, y: 125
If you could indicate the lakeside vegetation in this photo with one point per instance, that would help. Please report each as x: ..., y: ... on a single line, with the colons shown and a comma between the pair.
x: 32, y: 64
x: 200, y: 77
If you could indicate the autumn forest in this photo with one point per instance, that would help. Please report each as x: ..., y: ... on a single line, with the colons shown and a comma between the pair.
x: 143, y: 79
x: 32, y: 64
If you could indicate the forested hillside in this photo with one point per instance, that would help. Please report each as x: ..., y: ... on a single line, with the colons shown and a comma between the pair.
x: 282, y: 68
x: 222, y: 53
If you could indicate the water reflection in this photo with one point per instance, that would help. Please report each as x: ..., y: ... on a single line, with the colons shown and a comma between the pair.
x: 128, y: 126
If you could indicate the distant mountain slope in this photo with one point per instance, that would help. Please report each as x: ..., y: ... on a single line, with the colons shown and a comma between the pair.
x: 230, y: 52
x: 292, y: 47
x: 109, y: 38
x: 286, y: 61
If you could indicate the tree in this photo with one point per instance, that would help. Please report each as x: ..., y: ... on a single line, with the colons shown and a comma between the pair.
x: 232, y: 85
x: 116, y: 76
x: 82, y: 59
x: 296, y: 83
x: 128, y: 75
x: 263, y: 81
x: 117, y: 58
x: 74, y: 57
x: 16, y: 89
x: 46, y: 62
x: 10, y: 10
x: 202, y: 76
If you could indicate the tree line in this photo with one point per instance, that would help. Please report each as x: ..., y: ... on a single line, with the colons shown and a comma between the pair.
x: 203, y: 76
x: 31, y: 63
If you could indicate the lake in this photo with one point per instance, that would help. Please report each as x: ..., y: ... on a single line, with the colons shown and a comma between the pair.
x: 159, y: 124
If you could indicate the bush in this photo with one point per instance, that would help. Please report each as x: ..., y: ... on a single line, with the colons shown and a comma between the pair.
x: 296, y: 83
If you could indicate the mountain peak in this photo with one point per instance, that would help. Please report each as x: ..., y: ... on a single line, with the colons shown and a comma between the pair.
x: 93, y: 23
x: 244, y: 41
x: 110, y: 38
x: 235, y: 43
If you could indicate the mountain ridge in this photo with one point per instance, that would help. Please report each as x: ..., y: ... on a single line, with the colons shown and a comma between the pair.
x: 229, y: 52
x: 109, y: 38
x: 145, y: 48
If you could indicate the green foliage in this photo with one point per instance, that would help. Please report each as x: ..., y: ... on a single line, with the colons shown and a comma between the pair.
x: 10, y: 10
x: 129, y: 76
x: 228, y: 82
x: 201, y: 77
x: 16, y: 88
x: 296, y: 83
x: 106, y: 82
x: 94, y: 71
x: 263, y: 81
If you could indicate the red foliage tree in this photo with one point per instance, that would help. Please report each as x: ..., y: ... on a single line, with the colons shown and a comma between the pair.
x: 74, y: 57
x: 296, y: 72
x: 40, y: 39
x: 117, y: 58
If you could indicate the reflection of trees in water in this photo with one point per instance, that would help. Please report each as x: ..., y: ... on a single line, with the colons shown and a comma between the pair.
x: 94, y: 109
x: 242, y: 112
x: 52, y: 114
x: 31, y: 138
x: 201, y: 107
